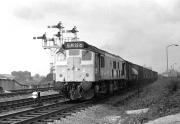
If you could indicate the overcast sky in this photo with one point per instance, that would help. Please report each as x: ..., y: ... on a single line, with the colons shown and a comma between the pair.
x: 136, y: 30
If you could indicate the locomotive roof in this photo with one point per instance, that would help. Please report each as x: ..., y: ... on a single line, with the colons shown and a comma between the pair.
x: 84, y: 45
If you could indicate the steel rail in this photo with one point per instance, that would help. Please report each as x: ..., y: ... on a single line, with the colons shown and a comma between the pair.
x: 41, y: 114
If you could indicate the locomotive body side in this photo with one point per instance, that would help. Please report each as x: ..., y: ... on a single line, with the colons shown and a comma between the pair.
x: 112, y: 68
x: 112, y: 73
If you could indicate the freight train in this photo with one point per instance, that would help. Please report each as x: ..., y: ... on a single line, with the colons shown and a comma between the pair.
x: 84, y: 71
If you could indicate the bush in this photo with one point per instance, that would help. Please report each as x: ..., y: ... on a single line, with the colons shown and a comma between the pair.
x: 173, y: 86
x: 162, y: 97
x: 168, y: 102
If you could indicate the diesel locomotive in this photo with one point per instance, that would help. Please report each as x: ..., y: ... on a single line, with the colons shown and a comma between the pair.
x: 84, y: 71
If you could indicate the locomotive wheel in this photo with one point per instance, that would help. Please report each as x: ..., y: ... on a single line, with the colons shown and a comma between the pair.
x: 87, y: 94
x: 111, y: 88
x: 74, y: 94
x: 96, y: 90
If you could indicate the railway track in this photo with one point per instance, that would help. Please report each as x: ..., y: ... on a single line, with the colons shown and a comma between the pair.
x: 24, y: 92
x: 43, y: 114
x: 15, y: 104
x: 8, y: 95
x: 56, y: 111
x: 34, y: 89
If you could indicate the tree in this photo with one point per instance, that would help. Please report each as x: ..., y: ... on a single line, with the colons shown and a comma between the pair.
x: 22, y: 76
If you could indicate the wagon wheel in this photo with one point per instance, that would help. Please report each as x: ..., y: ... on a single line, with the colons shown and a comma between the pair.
x: 111, y: 88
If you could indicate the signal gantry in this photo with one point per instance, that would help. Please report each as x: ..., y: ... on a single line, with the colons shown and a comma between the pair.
x: 56, y: 43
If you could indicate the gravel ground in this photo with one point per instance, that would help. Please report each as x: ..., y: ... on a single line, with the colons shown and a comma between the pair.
x: 171, y: 119
x: 98, y: 114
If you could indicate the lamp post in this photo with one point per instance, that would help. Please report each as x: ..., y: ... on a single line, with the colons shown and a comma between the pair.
x: 173, y: 65
x: 167, y: 52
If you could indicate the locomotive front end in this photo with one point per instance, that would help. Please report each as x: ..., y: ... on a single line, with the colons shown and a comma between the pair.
x: 74, y: 69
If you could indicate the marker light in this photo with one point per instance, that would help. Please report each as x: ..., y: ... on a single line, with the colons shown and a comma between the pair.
x: 87, y: 74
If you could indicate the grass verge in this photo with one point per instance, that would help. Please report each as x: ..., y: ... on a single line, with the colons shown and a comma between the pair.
x: 162, y: 97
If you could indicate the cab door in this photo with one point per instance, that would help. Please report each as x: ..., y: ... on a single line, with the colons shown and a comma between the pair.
x: 73, y: 65
x: 70, y: 69
x: 77, y: 69
x: 97, y: 67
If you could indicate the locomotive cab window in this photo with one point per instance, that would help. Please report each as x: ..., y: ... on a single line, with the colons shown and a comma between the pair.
x: 123, y: 68
x: 73, y: 52
x: 61, y: 57
x: 118, y: 65
x: 114, y: 64
x: 86, y: 55
x: 102, y: 62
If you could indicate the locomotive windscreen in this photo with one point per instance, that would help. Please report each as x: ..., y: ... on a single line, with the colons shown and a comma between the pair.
x: 86, y: 55
x: 61, y: 57
x: 73, y: 52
